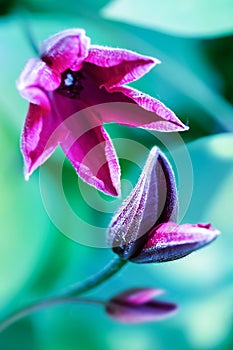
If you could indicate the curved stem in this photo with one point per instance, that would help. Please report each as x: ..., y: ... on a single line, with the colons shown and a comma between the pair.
x: 42, y: 305
x: 100, y: 277
x: 69, y: 295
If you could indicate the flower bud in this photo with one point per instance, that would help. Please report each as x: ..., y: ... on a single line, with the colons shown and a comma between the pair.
x: 153, y: 200
x: 143, y: 229
x: 137, y: 306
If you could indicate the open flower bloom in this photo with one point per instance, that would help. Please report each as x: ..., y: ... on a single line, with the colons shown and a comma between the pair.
x: 137, y: 306
x: 70, y: 76
x: 144, y: 228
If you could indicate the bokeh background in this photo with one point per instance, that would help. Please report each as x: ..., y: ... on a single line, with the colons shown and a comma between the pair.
x: 194, y: 41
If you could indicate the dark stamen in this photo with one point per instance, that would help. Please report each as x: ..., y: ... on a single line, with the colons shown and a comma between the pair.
x: 71, y: 84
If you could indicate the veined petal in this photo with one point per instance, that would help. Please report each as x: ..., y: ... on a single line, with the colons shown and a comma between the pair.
x: 37, y: 75
x: 37, y: 96
x: 38, y: 139
x: 66, y: 49
x: 90, y: 150
x: 154, y: 198
x: 114, y: 67
x: 158, y: 116
x: 169, y: 241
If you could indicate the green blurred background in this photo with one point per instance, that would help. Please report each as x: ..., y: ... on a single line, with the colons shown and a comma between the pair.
x: 194, y: 41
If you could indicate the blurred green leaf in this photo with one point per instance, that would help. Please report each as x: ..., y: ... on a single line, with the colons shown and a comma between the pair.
x: 56, y: 6
x: 21, y: 333
x: 195, y: 18
x: 23, y: 222
x: 6, y: 6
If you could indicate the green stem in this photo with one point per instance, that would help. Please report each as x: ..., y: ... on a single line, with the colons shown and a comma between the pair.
x: 93, y: 281
x: 70, y: 294
x: 27, y: 310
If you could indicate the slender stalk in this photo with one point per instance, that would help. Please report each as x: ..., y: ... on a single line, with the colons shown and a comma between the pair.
x: 100, y: 277
x: 40, y: 305
x: 69, y: 295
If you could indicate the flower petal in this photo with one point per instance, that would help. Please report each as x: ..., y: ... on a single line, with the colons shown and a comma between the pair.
x: 37, y: 75
x: 92, y: 154
x: 170, y: 241
x: 38, y: 139
x: 137, y: 296
x: 158, y: 116
x: 114, y: 67
x: 66, y: 49
x: 153, y: 199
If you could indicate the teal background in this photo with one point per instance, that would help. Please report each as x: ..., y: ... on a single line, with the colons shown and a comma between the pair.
x: 37, y: 260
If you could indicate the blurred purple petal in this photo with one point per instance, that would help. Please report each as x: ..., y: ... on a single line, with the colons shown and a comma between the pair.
x: 136, y: 296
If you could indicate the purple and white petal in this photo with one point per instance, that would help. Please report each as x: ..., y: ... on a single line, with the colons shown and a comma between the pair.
x: 159, y: 117
x: 37, y: 74
x: 170, y: 241
x: 90, y: 150
x: 40, y: 137
x: 115, y: 67
x: 66, y: 49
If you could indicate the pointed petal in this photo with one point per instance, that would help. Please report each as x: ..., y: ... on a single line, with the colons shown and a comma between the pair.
x: 38, y: 139
x: 137, y: 296
x: 66, y: 49
x: 114, y: 67
x: 170, y: 241
x: 37, y: 76
x: 92, y: 154
x: 153, y: 198
x: 156, y: 116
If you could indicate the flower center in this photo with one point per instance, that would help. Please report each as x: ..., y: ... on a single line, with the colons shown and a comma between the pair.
x: 71, y: 83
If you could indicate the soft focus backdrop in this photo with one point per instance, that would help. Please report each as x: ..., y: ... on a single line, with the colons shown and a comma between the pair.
x: 193, y: 40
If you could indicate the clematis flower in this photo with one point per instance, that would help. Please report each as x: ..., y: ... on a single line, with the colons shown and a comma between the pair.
x: 144, y: 228
x: 137, y: 306
x: 71, y: 75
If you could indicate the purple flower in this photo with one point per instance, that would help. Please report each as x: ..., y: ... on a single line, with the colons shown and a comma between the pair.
x: 136, y: 306
x: 70, y: 76
x: 143, y: 229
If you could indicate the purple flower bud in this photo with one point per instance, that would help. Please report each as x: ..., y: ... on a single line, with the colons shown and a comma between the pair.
x: 136, y: 306
x: 153, y: 201
x: 143, y: 228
